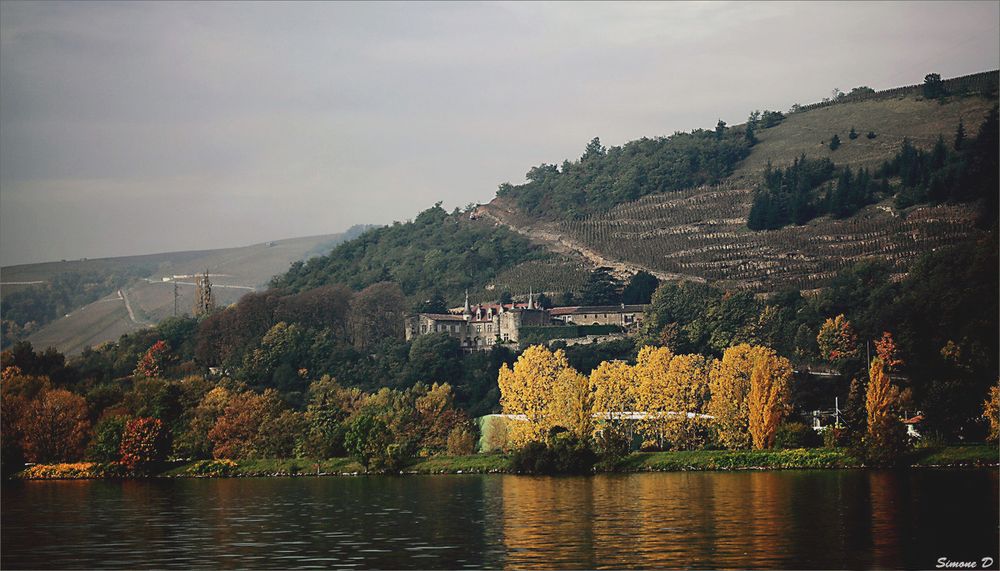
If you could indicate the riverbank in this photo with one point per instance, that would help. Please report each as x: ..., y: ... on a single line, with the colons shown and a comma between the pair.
x: 972, y: 456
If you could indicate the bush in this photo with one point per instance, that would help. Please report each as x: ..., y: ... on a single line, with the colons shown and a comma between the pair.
x: 796, y: 435
x: 612, y: 446
x: 563, y: 454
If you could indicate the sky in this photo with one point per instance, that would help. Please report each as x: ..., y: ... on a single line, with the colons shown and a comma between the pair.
x: 141, y: 127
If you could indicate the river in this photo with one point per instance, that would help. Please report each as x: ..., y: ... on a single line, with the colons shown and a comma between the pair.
x: 777, y: 519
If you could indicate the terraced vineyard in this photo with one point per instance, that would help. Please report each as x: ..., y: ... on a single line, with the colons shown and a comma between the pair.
x: 702, y: 233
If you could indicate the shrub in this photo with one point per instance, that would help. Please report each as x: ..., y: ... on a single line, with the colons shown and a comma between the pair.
x: 563, y: 454
x: 835, y: 143
x: 461, y: 442
x: 796, y: 435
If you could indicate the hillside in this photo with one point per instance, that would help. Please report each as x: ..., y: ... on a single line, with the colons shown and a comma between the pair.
x: 149, y: 286
x: 701, y: 233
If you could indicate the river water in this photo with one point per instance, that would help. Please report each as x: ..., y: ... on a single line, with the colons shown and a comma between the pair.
x: 780, y: 519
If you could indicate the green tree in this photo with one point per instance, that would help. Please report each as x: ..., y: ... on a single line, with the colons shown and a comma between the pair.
x: 368, y: 440
x: 640, y: 288
x: 933, y: 86
x: 835, y: 142
x: 107, y: 441
x: 601, y: 288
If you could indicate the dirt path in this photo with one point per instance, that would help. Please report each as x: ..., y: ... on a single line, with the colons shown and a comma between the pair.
x: 128, y: 306
x: 548, y: 237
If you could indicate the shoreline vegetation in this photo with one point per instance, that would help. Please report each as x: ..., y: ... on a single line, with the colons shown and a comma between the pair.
x: 971, y: 456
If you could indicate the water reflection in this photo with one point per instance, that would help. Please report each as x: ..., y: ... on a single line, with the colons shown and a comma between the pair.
x: 806, y: 520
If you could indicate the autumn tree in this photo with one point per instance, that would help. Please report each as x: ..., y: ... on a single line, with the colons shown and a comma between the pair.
x: 437, y: 416
x: 145, y: 441
x: 652, y: 368
x: 729, y: 385
x: 527, y: 389
x: 885, y: 437
x: 767, y: 400
x: 991, y: 412
x: 17, y: 391
x: 194, y: 441
x: 837, y: 340
x: 886, y: 350
x: 153, y: 362
x: 237, y: 432
x: 686, y: 398
x: 55, y: 426
x: 613, y: 385
x: 574, y: 403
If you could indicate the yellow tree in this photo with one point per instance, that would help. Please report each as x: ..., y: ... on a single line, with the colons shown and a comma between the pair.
x: 652, y: 369
x: 729, y: 384
x: 991, y: 412
x: 685, y: 398
x: 573, y: 406
x: 886, y: 437
x: 767, y: 400
x: 527, y: 390
x: 613, y: 384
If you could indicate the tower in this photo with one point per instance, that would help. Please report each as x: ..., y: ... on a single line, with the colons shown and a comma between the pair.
x: 204, y: 300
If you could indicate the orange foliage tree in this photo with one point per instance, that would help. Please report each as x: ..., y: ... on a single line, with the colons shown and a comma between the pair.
x: 991, y: 412
x: 888, y: 352
x: 151, y: 364
x: 237, y: 433
x: 886, y: 437
x: 767, y: 399
x: 55, y: 427
x: 145, y: 441
x: 837, y: 340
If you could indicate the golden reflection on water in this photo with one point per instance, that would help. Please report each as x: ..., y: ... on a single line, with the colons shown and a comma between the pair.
x: 674, y: 520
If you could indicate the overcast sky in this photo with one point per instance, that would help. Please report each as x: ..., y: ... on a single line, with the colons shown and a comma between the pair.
x: 137, y: 127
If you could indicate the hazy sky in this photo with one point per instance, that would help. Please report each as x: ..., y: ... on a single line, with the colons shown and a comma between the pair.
x: 137, y: 127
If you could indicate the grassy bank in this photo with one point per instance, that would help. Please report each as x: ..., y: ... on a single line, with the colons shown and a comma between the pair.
x: 979, y: 455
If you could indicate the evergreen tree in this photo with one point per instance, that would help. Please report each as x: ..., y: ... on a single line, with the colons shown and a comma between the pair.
x: 835, y: 143
x: 959, y: 136
x: 601, y: 288
x: 853, y: 134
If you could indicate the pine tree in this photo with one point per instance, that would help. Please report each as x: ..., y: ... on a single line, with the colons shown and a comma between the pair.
x: 853, y: 134
x: 959, y: 136
x: 835, y: 143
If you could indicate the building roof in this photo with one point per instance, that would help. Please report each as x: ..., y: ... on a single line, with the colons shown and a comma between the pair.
x: 442, y: 317
x: 579, y: 309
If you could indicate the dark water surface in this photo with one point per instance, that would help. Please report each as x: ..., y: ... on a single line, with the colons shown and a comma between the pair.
x: 789, y: 519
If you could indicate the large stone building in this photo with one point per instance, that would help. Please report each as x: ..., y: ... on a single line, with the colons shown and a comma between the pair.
x: 480, y: 327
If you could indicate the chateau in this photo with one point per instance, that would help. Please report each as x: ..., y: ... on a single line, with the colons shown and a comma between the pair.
x: 480, y: 327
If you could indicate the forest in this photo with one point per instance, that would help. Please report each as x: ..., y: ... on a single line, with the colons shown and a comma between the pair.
x: 286, y: 367
x: 605, y: 177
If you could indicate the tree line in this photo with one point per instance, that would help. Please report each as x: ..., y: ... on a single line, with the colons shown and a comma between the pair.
x: 962, y: 172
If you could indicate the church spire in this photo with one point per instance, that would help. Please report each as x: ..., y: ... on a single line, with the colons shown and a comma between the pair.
x: 531, y: 301
x: 467, y: 309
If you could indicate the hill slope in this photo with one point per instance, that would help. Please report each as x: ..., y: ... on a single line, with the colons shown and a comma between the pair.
x: 702, y: 234
x: 143, y: 301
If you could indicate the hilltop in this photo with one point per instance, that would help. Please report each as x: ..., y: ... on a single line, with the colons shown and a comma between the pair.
x: 101, y: 299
